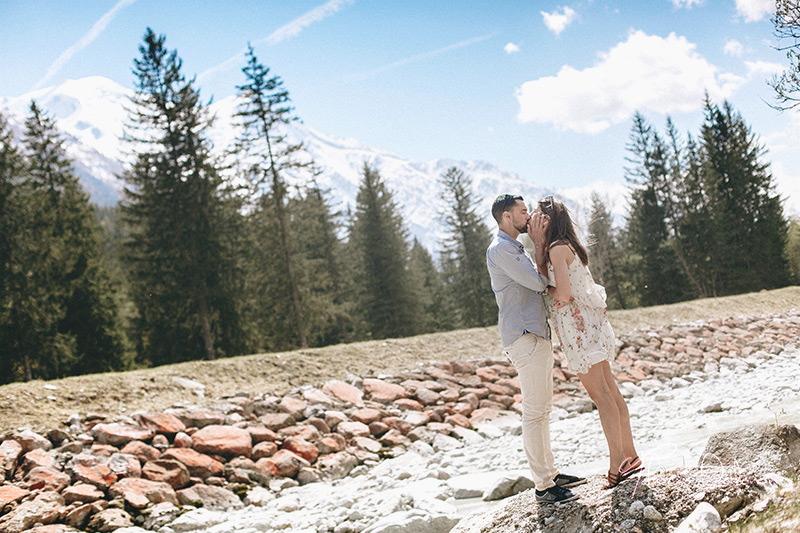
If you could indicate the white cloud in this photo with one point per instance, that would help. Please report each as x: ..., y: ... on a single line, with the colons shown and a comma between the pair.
x: 755, y: 10
x: 763, y: 67
x: 686, y: 3
x: 645, y: 73
x: 94, y: 32
x: 291, y: 29
x: 733, y: 48
x: 557, y: 22
x: 511, y: 48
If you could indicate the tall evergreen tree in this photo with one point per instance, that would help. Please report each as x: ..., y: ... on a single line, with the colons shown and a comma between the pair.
x: 175, y: 206
x: 386, y: 293
x: 606, y: 255
x: 265, y: 112
x: 651, y: 205
x: 747, y: 212
x: 438, y: 309
x: 464, y: 251
x: 62, y: 317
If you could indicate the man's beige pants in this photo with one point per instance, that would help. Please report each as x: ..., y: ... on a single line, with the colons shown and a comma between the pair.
x: 532, y: 356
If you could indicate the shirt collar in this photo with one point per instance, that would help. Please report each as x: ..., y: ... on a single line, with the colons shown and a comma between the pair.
x: 503, y: 235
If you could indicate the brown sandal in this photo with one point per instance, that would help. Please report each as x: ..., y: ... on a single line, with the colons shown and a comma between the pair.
x: 613, y: 480
x: 634, y: 465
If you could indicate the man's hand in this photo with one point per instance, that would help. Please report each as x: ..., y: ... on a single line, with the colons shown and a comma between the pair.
x: 537, y: 225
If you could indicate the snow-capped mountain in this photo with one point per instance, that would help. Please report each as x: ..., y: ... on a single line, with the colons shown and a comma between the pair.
x: 91, y: 113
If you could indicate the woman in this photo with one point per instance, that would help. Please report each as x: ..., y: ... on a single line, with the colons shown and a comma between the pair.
x: 578, y: 312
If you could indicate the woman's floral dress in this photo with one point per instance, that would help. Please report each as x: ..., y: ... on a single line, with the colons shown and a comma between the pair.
x: 582, y: 324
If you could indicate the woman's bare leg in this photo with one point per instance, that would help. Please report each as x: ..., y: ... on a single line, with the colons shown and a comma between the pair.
x: 628, y: 447
x: 610, y: 417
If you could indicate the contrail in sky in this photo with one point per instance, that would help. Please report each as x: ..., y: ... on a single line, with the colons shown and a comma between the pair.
x: 286, y: 31
x: 419, y: 57
x: 98, y: 28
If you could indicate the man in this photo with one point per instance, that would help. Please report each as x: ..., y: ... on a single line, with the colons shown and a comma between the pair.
x: 519, y: 289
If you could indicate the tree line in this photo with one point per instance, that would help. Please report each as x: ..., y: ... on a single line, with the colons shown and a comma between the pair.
x: 210, y: 256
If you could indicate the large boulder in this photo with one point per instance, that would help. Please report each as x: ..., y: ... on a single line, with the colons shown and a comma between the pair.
x: 227, y: 441
x: 209, y: 497
x: 199, y: 464
x: 139, y: 493
x: 759, y: 448
x: 120, y: 434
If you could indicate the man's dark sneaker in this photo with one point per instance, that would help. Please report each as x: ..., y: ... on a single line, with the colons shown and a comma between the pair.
x: 567, y: 481
x: 555, y: 494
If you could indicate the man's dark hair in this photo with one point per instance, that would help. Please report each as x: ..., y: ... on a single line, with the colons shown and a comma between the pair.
x: 503, y: 203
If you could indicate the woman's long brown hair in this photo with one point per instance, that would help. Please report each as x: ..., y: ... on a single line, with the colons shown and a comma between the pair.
x: 560, y: 229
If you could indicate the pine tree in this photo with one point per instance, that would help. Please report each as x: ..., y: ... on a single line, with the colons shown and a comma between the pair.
x: 464, y: 250
x: 174, y: 204
x: 438, y: 309
x: 265, y: 112
x: 386, y: 293
x: 748, y: 219
x: 651, y: 206
x: 606, y: 253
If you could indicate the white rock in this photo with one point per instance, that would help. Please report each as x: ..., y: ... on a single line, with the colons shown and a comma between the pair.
x: 258, y: 496
x: 422, y: 448
x: 679, y: 383
x: 187, y: 383
x: 413, y: 521
x: 489, y: 431
x: 627, y: 524
x: 636, y: 507
x: 704, y: 519
x: 197, y: 519
x: 651, y: 513
x: 629, y: 390
x: 445, y: 442
x: 467, y: 435
x: 507, y: 486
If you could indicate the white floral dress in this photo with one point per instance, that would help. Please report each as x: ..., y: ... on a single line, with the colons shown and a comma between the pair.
x: 582, y: 324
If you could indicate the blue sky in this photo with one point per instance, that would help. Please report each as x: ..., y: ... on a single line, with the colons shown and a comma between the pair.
x: 544, y: 89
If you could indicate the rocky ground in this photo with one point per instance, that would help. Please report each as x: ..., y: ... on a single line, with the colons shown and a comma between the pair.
x: 418, y: 451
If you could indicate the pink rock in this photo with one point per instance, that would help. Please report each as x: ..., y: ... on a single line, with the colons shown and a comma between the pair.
x: 408, y: 404
x: 119, y: 434
x: 343, y: 391
x: 365, y: 443
x: 10, y: 452
x: 382, y: 391
x: 226, y: 441
x: 316, y: 396
x: 301, y: 447
x: 276, y: 421
x: 79, y: 516
x: 88, y: 469
x: 320, y: 424
x: 103, y: 450
x: 394, y: 438
x: 46, y: 478
x: 261, y: 434
x: 199, y: 465
x: 37, y: 457
x: 30, y: 440
x: 439, y: 374
x: 304, y: 431
x: 139, y: 493
x: 427, y: 396
x: 198, y: 418
x: 264, y: 449
x: 458, y: 420
x: 83, y: 493
x: 395, y: 422
x: 482, y: 415
x: 331, y: 443
x: 144, y: 452
x: 11, y: 493
x: 378, y: 428
x: 45, y: 509
x: 283, y: 464
x: 334, y: 418
x: 167, y: 470
x: 366, y: 415
x: 294, y: 406
x: 182, y: 440
x: 352, y: 429
x: 163, y: 423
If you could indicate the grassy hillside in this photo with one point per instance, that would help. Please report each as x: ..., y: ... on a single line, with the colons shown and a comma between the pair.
x: 40, y: 405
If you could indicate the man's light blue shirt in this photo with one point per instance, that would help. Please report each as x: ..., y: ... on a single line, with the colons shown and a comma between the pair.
x: 519, y: 289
